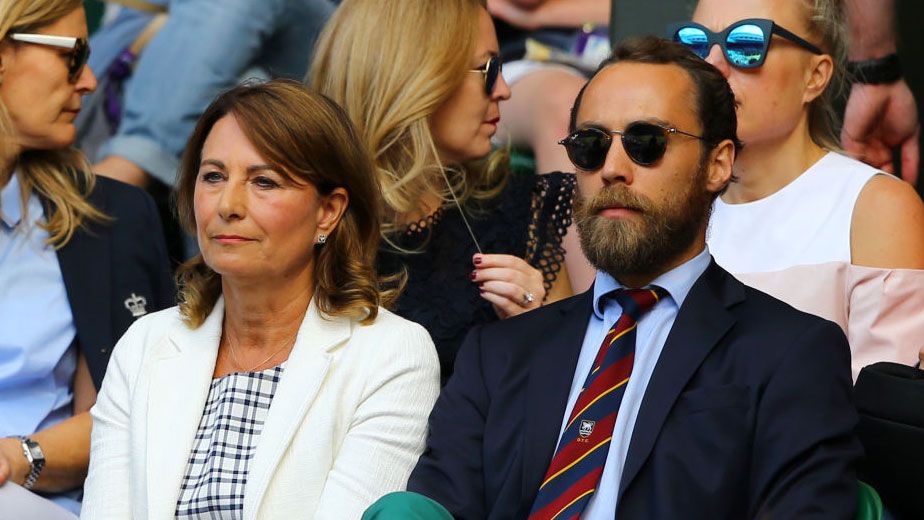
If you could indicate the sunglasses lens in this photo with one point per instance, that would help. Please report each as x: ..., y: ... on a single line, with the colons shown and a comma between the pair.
x: 745, y: 46
x: 78, y: 60
x: 695, y: 39
x: 587, y: 148
x: 645, y: 143
x: 492, y: 73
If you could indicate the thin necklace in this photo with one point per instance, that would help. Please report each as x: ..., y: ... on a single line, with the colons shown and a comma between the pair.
x: 271, y: 356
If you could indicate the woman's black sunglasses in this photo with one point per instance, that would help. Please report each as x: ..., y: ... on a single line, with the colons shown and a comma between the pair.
x: 744, y: 43
x: 492, y: 71
x: 644, y: 143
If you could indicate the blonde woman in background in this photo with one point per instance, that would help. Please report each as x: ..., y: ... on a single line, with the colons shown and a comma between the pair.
x: 80, y: 258
x: 803, y: 222
x: 476, y: 243
x: 278, y: 388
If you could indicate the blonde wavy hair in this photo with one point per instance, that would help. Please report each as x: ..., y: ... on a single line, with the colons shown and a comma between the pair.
x: 391, y: 64
x: 312, y: 140
x: 828, y: 21
x: 61, y: 178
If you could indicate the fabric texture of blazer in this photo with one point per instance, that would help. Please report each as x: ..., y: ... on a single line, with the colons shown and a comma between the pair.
x: 748, y: 414
x: 346, y: 425
x: 115, y: 271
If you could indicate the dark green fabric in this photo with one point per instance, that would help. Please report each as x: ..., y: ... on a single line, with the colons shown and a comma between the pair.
x: 404, y: 505
x: 94, y: 10
x: 869, y: 506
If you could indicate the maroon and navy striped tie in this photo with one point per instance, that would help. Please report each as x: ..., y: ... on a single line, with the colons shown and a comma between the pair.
x: 575, y: 470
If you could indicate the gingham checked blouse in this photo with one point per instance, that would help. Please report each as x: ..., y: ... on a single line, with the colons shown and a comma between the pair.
x: 236, y: 408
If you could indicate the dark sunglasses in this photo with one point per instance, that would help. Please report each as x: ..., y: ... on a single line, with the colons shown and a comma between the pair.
x: 492, y: 71
x: 645, y: 143
x: 744, y: 43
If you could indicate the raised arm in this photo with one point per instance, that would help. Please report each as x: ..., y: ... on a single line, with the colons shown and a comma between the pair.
x: 879, y: 117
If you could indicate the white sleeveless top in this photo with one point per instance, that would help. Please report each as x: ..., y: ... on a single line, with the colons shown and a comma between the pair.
x: 795, y: 246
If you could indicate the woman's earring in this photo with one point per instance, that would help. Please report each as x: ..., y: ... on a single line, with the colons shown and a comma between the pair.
x: 322, y: 239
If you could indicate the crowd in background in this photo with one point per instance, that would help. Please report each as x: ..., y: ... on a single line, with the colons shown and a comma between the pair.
x: 289, y: 257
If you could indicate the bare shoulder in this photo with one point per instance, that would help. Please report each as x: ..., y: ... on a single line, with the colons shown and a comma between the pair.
x: 887, y: 229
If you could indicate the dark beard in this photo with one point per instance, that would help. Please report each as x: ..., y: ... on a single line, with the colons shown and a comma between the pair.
x: 638, y: 247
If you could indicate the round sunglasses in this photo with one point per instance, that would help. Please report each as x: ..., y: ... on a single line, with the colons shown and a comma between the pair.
x: 745, y: 43
x: 77, y: 57
x: 644, y: 142
x: 492, y: 71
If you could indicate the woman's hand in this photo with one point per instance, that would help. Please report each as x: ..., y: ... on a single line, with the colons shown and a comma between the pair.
x: 13, y: 464
x: 509, y: 283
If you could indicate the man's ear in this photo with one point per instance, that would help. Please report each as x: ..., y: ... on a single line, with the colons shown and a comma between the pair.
x: 719, y: 166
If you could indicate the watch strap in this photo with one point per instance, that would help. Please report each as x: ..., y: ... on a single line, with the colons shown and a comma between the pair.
x: 33, y: 453
x: 876, y: 71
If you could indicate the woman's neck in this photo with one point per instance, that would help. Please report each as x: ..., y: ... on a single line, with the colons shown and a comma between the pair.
x: 762, y: 169
x: 263, y: 316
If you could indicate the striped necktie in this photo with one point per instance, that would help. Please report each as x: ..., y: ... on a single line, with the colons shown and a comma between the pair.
x: 575, y: 470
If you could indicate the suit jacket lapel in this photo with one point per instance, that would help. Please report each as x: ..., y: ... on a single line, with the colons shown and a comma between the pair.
x: 85, y: 267
x: 551, y: 372
x: 301, y: 380
x: 179, y: 387
x: 701, y: 323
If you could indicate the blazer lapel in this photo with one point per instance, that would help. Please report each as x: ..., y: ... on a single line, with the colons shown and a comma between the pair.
x: 178, y: 389
x: 551, y: 372
x: 85, y: 267
x: 701, y: 323
x: 305, y: 370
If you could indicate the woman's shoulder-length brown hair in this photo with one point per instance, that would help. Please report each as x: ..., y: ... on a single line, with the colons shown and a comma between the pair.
x: 311, y: 139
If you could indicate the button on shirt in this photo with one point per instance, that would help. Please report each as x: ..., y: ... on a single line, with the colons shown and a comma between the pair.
x: 651, y: 335
x: 37, y: 363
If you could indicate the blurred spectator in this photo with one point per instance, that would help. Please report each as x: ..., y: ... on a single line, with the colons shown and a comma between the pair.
x: 425, y: 99
x: 80, y: 257
x: 825, y: 233
x: 278, y: 388
x: 881, y: 114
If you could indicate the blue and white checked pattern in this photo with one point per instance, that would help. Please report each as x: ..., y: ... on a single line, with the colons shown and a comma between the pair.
x: 213, y: 487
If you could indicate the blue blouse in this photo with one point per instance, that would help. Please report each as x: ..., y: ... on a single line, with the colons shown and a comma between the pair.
x: 37, y: 356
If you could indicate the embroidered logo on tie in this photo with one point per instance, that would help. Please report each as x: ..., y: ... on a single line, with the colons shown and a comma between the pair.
x: 136, y: 304
x: 587, y: 428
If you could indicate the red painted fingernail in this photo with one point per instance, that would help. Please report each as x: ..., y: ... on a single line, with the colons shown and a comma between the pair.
x: 477, y: 260
x: 474, y: 275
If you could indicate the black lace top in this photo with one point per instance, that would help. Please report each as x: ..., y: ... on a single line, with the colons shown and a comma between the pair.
x: 528, y: 219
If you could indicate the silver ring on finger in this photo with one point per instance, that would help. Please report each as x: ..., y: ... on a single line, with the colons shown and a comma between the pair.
x: 528, y: 298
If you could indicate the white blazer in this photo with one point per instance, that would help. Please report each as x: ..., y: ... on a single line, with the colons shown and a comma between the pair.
x: 346, y: 425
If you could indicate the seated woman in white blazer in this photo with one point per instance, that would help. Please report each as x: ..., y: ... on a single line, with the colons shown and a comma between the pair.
x: 278, y: 388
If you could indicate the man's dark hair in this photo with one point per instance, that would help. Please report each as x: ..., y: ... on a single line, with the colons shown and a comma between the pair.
x: 715, y: 100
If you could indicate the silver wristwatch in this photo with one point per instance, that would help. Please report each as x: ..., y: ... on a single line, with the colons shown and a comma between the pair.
x: 33, y: 453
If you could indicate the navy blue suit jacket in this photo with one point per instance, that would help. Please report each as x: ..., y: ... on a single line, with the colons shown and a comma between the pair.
x: 748, y: 414
x: 105, y: 264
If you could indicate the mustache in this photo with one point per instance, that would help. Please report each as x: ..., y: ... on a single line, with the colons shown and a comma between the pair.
x: 616, y: 195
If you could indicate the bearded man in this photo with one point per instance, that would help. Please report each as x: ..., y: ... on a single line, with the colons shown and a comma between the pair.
x: 669, y: 390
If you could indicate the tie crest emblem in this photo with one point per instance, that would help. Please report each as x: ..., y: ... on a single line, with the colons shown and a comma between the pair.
x: 587, y: 428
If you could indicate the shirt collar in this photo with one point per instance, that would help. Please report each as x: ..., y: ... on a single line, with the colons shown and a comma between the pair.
x: 677, y: 282
x: 11, y: 202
